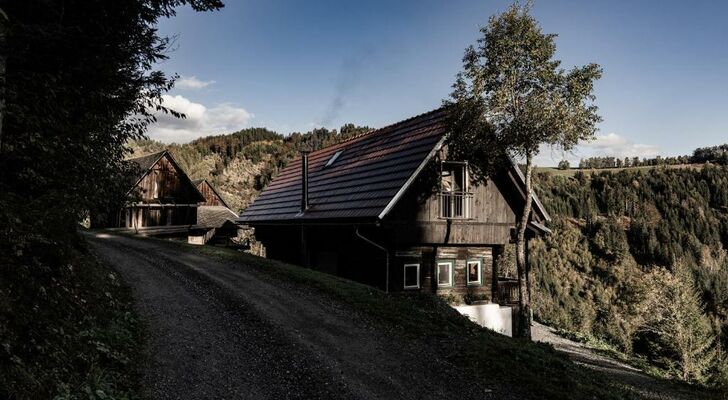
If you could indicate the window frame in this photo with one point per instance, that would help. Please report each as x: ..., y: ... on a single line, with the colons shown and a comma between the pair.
x: 451, y: 277
x: 479, y: 282
x: 404, y: 280
x: 447, y: 165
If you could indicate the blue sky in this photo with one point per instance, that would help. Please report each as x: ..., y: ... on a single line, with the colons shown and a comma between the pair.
x: 294, y: 65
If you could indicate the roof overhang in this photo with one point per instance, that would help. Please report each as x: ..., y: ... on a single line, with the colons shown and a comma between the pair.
x: 538, y: 228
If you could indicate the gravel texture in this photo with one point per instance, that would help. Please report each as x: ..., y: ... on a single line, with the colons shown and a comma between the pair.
x: 218, y: 330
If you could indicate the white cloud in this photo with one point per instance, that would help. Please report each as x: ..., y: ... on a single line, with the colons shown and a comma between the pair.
x: 200, y: 121
x: 616, y: 145
x: 611, y: 144
x: 191, y: 82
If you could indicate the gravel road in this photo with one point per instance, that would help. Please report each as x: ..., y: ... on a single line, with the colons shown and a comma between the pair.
x: 218, y: 330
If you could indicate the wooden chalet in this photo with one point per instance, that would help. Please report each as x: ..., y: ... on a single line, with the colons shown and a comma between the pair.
x: 390, y: 209
x: 163, y: 198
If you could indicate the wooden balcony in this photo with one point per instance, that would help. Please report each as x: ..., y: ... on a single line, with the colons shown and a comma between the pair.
x: 455, y: 205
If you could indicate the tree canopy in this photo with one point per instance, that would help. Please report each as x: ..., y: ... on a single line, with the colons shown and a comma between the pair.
x: 511, y: 98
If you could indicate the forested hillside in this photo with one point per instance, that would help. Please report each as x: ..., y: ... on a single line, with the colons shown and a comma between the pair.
x: 240, y: 164
x: 638, y: 259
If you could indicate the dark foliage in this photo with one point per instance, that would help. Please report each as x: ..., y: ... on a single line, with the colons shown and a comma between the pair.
x: 715, y: 155
x: 627, y: 246
x: 78, y: 84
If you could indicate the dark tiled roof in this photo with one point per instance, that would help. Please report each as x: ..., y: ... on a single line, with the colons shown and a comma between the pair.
x: 370, y: 171
x: 214, y: 216
x: 147, y: 161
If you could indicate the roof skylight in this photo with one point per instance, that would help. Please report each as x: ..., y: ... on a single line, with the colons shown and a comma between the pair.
x: 333, y: 159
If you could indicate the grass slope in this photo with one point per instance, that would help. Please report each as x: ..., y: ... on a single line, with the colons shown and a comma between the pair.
x: 533, y: 370
x: 67, y: 330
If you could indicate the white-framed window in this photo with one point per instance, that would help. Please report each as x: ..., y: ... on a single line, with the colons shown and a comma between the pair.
x: 474, y: 271
x: 412, y: 276
x: 444, y: 272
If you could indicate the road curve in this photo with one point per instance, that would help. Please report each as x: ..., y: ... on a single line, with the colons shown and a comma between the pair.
x: 219, y: 330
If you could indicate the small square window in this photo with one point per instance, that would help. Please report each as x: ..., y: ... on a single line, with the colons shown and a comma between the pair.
x: 474, y: 272
x: 444, y: 273
x: 412, y: 276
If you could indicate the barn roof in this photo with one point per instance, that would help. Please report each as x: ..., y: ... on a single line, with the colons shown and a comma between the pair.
x: 361, y: 178
x: 361, y: 182
x: 214, y: 216
x: 147, y: 161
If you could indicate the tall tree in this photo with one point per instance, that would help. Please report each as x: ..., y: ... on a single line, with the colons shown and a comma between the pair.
x: 676, y: 318
x: 80, y: 81
x: 511, y: 98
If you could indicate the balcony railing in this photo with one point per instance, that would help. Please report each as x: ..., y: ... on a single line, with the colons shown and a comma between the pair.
x: 455, y: 205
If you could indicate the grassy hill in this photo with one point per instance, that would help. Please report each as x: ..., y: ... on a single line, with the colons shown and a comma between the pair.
x: 521, y: 368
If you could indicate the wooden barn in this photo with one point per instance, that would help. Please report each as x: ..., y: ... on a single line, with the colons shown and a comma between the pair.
x: 391, y: 209
x: 216, y: 222
x: 163, y: 197
x: 212, y: 198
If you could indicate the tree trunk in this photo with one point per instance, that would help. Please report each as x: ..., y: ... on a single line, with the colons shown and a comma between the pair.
x: 3, y: 57
x: 524, y: 292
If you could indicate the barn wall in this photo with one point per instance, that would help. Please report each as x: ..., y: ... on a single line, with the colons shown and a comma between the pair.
x: 166, y: 184
x: 145, y: 215
x: 211, y: 198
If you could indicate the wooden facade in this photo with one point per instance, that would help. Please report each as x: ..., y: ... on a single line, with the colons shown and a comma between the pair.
x: 212, y: 197
x: 389, y: 209
x: 413, y: 234
x: 163, y: 196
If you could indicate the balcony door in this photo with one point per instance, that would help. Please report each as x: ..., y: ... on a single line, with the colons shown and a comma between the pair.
x: 454, y: 191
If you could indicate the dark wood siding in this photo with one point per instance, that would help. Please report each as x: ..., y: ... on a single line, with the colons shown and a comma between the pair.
x: 166, y: 183
x: 415, y: 219
x: 163, y: 196
x: 211, y: 196
x: 428, y: 256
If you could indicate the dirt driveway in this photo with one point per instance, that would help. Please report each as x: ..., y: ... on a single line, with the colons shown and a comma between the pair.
x: 218, y: 330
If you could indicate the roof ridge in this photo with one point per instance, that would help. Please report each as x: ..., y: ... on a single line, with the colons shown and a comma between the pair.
x: 148, y: 155
x: 402, y: 122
